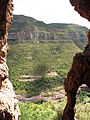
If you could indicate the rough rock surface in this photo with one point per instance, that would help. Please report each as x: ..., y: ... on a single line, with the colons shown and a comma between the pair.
x: 80, y: 70
x: 9, y: 109
x: 31, y: 33
x: 82, y: 7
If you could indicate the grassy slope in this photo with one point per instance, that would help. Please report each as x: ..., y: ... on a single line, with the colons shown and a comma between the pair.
x: 21, y: 60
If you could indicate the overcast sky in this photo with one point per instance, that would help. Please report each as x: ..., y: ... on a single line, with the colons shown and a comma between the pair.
x: 49, y: 11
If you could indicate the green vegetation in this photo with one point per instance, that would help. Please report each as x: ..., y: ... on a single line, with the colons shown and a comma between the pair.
x: 83, y: 108
x: 82, y: 95
x: 37, y: 86
x: 45, y: 111
x: 41, y: 63
x: 24, y: 58
x: 53, y: 111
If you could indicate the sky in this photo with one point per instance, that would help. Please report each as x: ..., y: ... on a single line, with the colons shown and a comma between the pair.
x: 49, y: 11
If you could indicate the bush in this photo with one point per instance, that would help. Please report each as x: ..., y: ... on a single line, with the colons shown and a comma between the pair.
x: 80, y: 97
x: 32, y: 111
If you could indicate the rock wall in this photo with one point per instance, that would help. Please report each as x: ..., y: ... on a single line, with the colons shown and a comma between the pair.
x: 82, y: 7
x: 24, y: 27
x: 9, y: 109
x: 38, y: 35
x: 80, y: 71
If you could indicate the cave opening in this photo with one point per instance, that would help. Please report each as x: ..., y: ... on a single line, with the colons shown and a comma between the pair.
x: 79, y: 73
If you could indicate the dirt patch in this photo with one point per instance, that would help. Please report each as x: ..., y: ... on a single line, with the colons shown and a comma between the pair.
x: 33, y: 78
x: 52, y: 96
x: 52, y: 74
x: 29, y: 78
x: 26, y: 80
x: 26, y: 76
x: 29, y: 57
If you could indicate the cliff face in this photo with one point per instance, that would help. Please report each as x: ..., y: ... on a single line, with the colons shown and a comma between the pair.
x: 35, y: 33
x: 9, y: 109
x: 28, y: 29
x: 80, y: 71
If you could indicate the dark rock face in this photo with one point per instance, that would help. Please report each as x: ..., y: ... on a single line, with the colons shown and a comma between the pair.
x: 80, y: 70
x: 78, y: 75
x: 9, y: 109
x: 82, y: 7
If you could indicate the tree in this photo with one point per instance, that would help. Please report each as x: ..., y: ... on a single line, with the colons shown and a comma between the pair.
x: 41, y: 69
x: 41, y: 64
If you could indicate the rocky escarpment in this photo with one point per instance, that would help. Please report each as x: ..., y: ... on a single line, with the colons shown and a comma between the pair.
x: 80, y: 71
x: 28, y: 29
x: 9, y: 109
x: 36, y: 33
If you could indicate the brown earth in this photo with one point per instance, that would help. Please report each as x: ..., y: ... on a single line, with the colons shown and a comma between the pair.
x: 55, y: 95
x: 33, y: 78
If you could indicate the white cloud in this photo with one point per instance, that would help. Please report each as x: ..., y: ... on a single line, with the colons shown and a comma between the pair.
x: 49, y: 11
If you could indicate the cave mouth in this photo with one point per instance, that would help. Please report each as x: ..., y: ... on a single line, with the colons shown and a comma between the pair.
x: 80, y: 67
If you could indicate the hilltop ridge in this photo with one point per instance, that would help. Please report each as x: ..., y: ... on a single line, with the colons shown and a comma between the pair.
x: 28, y: 29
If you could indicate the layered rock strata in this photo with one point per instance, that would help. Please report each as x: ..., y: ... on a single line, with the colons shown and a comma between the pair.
x: 80, y: 70
x: 9, y: 109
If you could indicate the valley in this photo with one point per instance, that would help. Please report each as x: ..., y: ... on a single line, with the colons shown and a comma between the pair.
x: 43, y: 91
x: 39, y: 59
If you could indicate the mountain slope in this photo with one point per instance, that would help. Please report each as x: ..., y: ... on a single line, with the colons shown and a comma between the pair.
x: 23, y: 59
x: 28, y: 29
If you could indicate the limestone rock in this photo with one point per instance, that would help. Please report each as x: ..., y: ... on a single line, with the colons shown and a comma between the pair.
x: 9, y: 109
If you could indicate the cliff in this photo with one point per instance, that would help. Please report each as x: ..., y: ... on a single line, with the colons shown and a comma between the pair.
x: 25, y: 29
